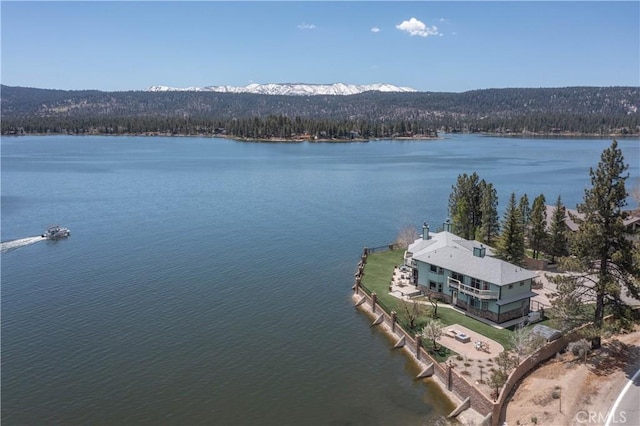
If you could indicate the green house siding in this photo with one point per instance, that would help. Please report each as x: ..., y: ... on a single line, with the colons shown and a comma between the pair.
x: 512, y: 290
x: 486, y: 308
x: 513, y: 310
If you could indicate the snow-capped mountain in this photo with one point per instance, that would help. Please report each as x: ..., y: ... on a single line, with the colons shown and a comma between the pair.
x: 299, y: 89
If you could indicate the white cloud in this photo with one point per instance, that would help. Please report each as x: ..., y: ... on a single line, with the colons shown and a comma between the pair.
x: 415, y: 27
x: 375, y: 30
x: 304, y: 26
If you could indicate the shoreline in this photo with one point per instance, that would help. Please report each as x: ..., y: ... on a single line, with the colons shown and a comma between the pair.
x: 464, y: 416
x: 234, y: 138
x: 441, y: 136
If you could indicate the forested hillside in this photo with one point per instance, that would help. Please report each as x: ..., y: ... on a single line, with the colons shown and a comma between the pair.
x: 572, y: 110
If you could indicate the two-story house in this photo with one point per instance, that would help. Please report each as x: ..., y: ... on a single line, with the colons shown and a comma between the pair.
x: 466, y: 274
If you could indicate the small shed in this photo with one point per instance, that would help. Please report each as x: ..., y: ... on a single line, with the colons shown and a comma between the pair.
x: 548, y: 333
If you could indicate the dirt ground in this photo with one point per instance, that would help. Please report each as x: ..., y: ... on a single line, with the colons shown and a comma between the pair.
x: 565, y: 390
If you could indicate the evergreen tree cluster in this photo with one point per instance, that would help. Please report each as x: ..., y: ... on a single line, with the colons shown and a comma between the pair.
x: 270, y: 127
x: 604, y: 263
x: 473, y: 207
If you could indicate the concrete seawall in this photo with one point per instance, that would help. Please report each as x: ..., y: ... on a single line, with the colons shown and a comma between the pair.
x: 454, y: 386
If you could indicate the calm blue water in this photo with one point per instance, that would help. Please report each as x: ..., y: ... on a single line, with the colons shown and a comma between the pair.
x: 208, y: 281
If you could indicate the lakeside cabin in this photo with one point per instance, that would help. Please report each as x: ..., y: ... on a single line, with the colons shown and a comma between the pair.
x: 466, y: 274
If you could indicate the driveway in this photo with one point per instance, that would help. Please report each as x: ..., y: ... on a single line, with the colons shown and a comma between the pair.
x: 626, y: 409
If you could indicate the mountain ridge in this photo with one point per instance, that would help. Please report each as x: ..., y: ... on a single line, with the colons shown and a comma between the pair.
x: 570, y: 110
x: 291, y: 89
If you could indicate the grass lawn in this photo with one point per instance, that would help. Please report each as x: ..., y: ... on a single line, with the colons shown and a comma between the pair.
x: 377, y: 276
x: 378, y: 272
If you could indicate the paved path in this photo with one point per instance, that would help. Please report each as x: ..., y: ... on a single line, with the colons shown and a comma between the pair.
x: 626, y: 409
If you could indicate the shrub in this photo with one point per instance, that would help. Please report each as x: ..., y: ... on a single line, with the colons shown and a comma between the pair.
x: 580, y: 348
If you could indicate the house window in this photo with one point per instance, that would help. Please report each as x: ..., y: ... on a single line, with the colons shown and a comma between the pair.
x: 521, y: 283
x: 485, y: 305
x: 510, y: 285
x: 439, y: 287
x: 434, y: 268
x: 476, y: 283
x: 432, y: 285
x: 457, y: 276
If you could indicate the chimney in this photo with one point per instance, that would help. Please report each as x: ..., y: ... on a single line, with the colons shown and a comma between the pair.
x: 479, y: 251
x: 447, y: 225
x: 425, y: 231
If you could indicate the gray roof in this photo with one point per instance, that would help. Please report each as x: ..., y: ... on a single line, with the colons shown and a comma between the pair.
x: 632, y: 217
x: 451, y: 252
x: 516, y: 298
x: 546, y: 332
x: 567, y: 217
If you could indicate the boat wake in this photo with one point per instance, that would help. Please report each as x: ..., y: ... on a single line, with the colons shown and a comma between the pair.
x: 12, y: 245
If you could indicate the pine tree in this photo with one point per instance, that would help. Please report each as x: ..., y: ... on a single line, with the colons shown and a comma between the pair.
x: 464, y: 205
x: 558, y: 243
x: 525, y: 209
x: 460, y: 216
x: 511, y: 242
x: 603, y: 264
x: 490, y: 226
x: 537, y: 225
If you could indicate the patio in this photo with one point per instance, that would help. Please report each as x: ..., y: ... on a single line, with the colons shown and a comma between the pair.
x: 469, y: 343
x: 402, y: 282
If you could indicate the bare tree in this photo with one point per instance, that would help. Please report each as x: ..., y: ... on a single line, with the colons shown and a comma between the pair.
x: 434, y: 298
x: 406, y: 236
x: 412, y: 311
x: 433, y: 331
x: 525, y: 342
x: 496, y: 380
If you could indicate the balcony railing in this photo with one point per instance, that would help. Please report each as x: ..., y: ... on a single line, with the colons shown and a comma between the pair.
x: 480, y: 294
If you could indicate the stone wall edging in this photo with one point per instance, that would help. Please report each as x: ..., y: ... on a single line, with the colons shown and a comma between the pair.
x: 459, y: 385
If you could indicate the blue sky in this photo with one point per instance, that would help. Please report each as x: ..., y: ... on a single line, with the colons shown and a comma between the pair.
x: 430, y: 46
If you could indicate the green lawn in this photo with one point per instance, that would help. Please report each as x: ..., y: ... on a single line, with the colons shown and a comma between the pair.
x: 377, y: 276
x: 378, y: 272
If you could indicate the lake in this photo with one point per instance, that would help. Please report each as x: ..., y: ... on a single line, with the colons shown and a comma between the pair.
x: 208, y: 281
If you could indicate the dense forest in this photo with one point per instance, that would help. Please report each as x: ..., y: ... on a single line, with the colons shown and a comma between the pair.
x: 562, y: 111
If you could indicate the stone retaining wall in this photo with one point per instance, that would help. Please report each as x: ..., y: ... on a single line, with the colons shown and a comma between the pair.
x: 446, y: 375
